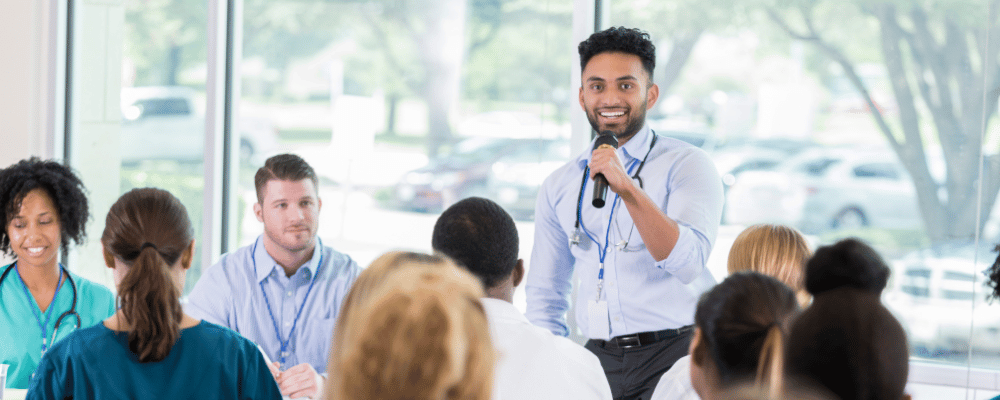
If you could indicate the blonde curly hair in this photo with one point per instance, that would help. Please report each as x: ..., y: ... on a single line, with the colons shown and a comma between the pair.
x: 412, y: 332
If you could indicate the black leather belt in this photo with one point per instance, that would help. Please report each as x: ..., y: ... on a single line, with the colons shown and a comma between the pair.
x: 645, y: 338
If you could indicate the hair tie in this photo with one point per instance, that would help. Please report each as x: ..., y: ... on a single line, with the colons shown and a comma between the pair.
x: 147, y: 244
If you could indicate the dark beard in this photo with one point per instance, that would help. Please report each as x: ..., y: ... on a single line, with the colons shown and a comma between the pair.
x: 633, y: 127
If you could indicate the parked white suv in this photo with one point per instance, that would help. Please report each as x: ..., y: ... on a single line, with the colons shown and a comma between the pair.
x: 938, y: 294
x: 166, y: 123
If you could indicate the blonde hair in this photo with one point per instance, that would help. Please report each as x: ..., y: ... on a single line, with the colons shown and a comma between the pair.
x: 375, y: 274
x: 775, y: 250
x: 412, y: 332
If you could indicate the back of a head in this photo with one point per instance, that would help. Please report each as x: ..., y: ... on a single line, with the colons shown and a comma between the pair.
x: 374, y: 276
x: 285, y: 167
x: 619, y: 40
x: 149, y: 231
x: 847, y: 263
x: 422, y: 334
x: 480, y: 236
x: 775, y: 250
x: 847, y: 342
x: 743, y: 321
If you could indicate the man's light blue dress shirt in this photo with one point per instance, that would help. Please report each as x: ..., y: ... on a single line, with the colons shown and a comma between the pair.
x: 230, y: 294
x: 642, y: 294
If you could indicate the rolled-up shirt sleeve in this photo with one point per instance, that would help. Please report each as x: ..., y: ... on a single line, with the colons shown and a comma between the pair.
x: 694, y: 201
x: 550, y: 271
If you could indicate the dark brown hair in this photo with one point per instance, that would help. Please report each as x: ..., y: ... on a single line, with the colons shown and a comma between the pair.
x: 743, y: 323
x: 284, y: 167
x: 148, y: 229
x: 849, y: 343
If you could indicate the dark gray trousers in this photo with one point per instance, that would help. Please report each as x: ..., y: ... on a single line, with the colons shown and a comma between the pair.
x: 634, y: 372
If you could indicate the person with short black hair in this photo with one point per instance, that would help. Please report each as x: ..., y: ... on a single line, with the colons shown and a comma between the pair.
x: 640, y: 259
x: 534, y: 364
x: 847, y: 341
x: 284, y: 291
x: 43, y: 207
x: 150, y: 348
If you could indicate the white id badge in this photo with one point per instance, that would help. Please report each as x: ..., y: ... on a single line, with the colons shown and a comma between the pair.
x: 597, y: 315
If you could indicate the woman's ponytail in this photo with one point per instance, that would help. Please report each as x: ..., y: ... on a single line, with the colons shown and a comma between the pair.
x: 770, y: 366
x: 149, y: 303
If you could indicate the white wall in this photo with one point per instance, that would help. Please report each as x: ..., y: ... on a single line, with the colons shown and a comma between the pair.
x: 30, y: 65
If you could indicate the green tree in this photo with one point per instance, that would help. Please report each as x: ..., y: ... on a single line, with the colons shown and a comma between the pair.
x: 943, y: 66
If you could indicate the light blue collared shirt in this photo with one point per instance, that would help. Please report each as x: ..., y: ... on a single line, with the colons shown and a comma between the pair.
x: 642, y: 294
x: 230, y: 294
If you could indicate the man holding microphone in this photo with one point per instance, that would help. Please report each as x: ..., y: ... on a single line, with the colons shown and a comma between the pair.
x: 639, y: 251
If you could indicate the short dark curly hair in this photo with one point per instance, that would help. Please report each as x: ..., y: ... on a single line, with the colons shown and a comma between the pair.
x: 59, y: 182
x: 480, y: 236
x: 993, y: 273
x: 620, y: 39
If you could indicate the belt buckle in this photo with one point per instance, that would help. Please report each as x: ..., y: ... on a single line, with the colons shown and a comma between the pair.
x: 628, y: 342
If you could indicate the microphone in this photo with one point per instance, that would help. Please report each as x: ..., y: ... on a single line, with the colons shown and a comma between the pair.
x: 605, y: 140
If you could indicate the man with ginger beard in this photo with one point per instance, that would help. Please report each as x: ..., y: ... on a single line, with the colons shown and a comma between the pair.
x: 640, y: 259
x: 283, y: 291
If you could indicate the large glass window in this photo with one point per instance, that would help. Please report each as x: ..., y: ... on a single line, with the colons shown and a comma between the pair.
x: 404, y: 107
x: 851, y: 119
x: 163, y: 104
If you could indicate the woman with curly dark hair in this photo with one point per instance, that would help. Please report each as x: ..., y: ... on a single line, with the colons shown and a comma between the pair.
x: 43, y: 208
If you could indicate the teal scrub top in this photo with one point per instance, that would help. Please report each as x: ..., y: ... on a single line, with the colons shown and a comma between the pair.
x: 207, y: 362
x: 20, y: 336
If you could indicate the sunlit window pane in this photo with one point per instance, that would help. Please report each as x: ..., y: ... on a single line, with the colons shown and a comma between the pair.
x: 818, y: 124
x: 163, y: 104
x: 405, y: 107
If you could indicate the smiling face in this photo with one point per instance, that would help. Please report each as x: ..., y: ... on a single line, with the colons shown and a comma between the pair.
x: 34, y: 231
x: 616, y: 92
x: 290, y: 212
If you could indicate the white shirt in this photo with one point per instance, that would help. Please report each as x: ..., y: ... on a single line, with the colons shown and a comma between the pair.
x: 535, y: 364
x: 675, y: 384
x: 642, y: 294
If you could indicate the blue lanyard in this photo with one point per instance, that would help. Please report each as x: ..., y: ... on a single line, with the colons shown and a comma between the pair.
x: 602, y: 251
x: 48, y: 313
x: 277, y: 331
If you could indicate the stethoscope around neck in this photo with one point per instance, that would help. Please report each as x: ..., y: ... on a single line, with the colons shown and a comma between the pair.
x: 575, y: 240
x: 67, y: 314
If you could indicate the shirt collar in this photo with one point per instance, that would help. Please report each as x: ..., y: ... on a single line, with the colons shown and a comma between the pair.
x: 634, y: 149
x: 499, y: 309
x: 264, y: 264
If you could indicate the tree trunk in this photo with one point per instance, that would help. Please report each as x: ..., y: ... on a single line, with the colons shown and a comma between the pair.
x: 442, y: 47
x: 173, y: 65
x: 680, y: 51
x: 390, y: 115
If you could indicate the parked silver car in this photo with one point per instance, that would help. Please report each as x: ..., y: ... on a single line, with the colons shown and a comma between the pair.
x: 828, y: 188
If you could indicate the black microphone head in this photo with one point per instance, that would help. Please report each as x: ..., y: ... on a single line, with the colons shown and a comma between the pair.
x: 608, y: 138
